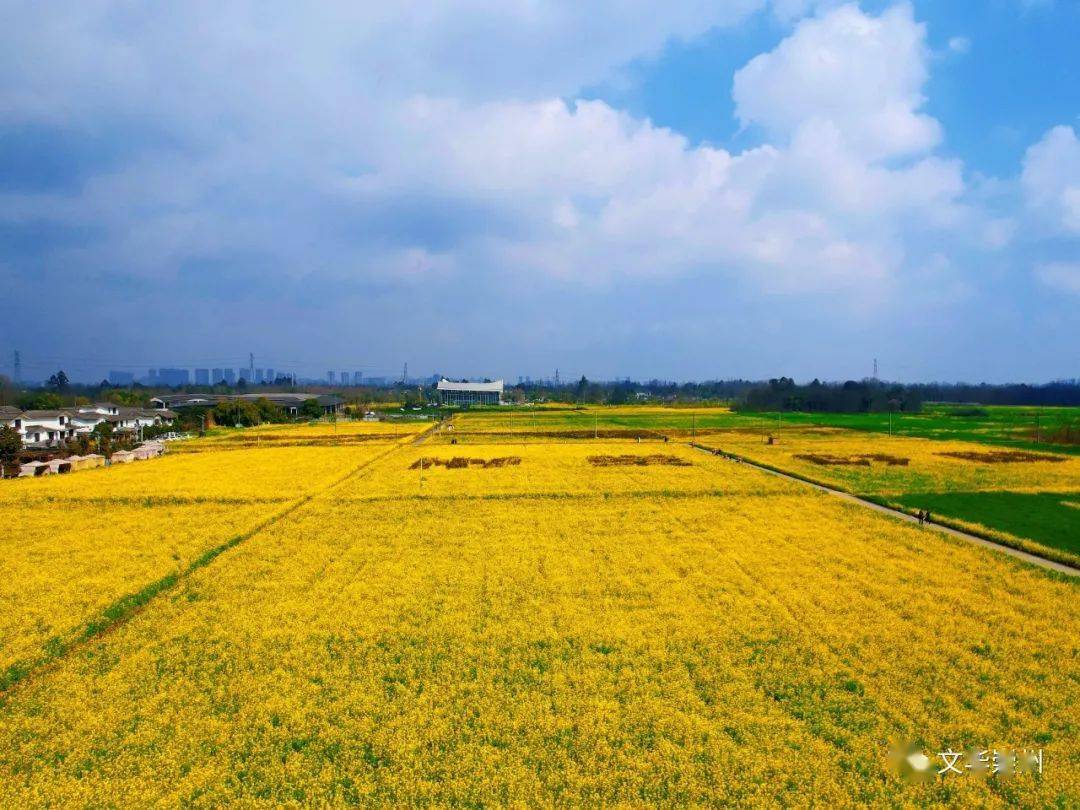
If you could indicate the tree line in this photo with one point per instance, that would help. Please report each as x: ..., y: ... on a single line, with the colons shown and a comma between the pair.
x: 784, y: 394
x: 780, y: 393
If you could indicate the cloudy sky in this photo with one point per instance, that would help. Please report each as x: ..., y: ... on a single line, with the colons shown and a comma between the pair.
x: 682, y: 190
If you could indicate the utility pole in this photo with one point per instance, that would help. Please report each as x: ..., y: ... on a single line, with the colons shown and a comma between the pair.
x: 421, y: 473
x: 1038, y: 427
x: 693, y: 427
x: 595, y: 426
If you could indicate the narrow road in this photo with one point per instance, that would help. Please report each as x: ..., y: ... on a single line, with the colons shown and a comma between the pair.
x: 1027, y: 557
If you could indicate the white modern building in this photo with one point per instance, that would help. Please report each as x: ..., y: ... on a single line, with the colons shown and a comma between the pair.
x: 470, y: 393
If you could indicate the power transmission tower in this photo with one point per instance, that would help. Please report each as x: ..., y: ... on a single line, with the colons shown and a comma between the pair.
x: 251, y: 367
x: 875, y: 368
x: 17, y: 367
x: 404, y: 373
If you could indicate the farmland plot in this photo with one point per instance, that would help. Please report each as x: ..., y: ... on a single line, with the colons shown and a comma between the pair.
x: 593, y: 634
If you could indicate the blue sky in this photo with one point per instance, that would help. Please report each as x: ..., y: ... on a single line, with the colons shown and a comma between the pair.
x: 1017, y: 75
x: 752, y: 188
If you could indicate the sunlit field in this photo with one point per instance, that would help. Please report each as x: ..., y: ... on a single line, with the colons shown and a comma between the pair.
x: 1021, y: 427
x: 79, y: 549
x: 604, y: 468
x: 315, y: 434
x: 564, y: 422
x: 264, y: 474
x: 1015, y: 495
x: 878, y: 464
x: 578, y: 622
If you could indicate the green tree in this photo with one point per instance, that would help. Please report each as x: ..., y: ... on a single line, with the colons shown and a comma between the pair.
x: 58, y: 382
x: 582, y: 389
x: 237, y: 412
x: 103, y: 436
x: 129, y: 397
x: 82, y: 444
x: 268, y: 411
x: 41, y: 401
x: 311, y: 409
x: 10, y: 445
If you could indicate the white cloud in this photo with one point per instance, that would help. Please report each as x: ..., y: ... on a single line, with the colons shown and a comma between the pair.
x: 232, y: 59
x: 394, y: 146
x: 862, y: 74
x: 960, y: 45
x: 1060, y: 276
x: 788, y: 11
x: 1051, y: 179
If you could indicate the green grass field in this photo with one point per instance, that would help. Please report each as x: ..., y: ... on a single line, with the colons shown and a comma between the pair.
x: 1011, y: 426
x: 1008, y: 426
x: 1045, y: 517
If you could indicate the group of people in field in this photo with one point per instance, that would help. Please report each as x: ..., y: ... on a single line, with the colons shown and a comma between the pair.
x: 924, y: 516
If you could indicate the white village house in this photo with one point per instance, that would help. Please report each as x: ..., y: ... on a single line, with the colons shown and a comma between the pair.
x: 53, y: 428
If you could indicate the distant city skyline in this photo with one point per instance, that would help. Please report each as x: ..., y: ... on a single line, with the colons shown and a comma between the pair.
x: 201, y: 375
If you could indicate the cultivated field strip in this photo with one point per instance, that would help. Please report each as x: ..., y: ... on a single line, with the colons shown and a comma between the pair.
x: 559, y: 468
x: 288, y: 473
x: 582, y: 635
x: 834, y: 457
x: 1011, y: 497
x: 73, y: 566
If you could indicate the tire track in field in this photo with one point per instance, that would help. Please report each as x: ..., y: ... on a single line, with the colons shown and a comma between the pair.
x: 125, y: 608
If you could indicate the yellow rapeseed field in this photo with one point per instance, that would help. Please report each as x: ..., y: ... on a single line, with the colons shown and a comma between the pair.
x: 902, y: 465
x: 73, y: 548
x: 267, y: 474
x: 312, y: 434
x: 549, y: 469
x: 63, y: 563
x: 621, y: 633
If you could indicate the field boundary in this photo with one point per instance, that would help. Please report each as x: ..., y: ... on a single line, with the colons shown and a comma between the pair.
x: 1019, y: 554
